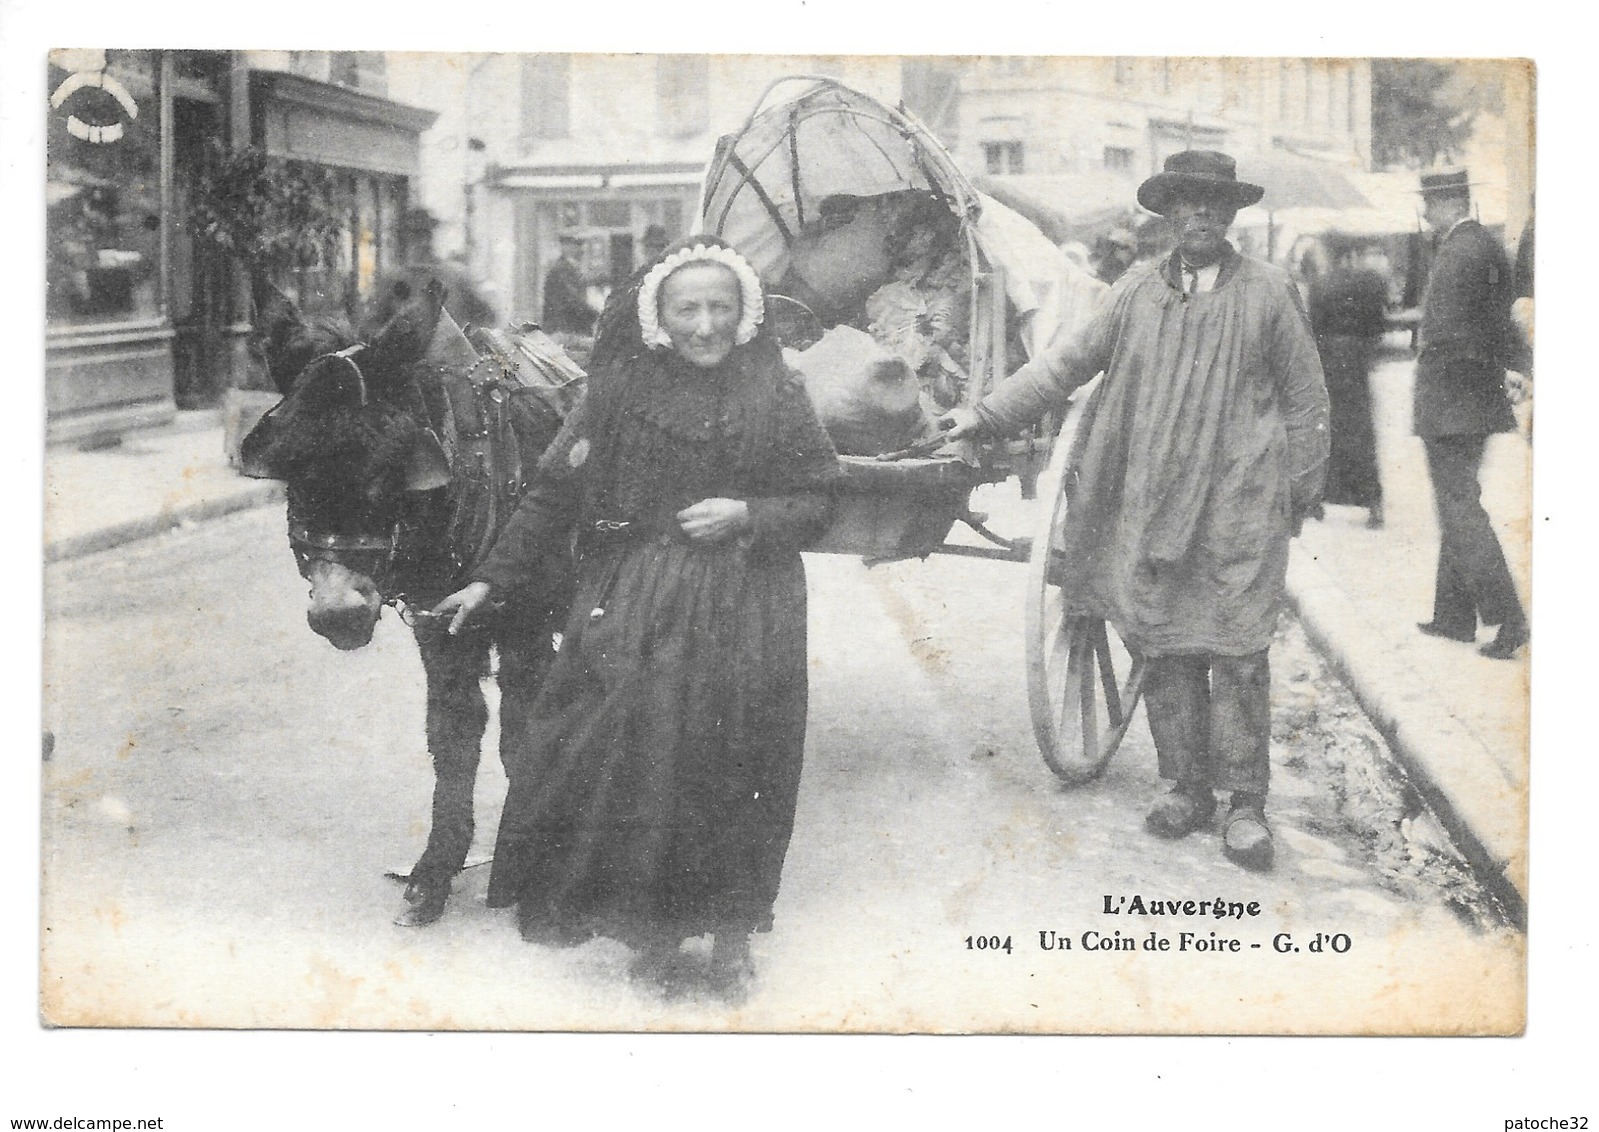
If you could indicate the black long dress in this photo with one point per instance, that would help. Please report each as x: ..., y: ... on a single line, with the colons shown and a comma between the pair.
x: 1348, y: 314
x: 654, y: 794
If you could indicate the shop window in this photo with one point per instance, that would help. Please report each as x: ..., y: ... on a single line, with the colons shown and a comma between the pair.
x: 103, y: 208
x: 610, y: 214
x: 1118, y: 158
x: 1002, y: 158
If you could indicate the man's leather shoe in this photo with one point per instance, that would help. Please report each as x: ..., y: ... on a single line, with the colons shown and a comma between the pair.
x: 424, y: 902
x: 1433, y: 629
x: 1509, y: 639
x: 1246, y: 839
x: 1179, y: 813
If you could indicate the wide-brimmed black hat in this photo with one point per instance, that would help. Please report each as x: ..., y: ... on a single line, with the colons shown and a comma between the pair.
x: 1201, y: 171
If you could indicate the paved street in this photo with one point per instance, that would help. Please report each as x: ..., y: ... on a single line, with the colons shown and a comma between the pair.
x: 226, y: 791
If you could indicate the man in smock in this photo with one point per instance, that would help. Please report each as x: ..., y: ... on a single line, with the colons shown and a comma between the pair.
x: 1206, y: 444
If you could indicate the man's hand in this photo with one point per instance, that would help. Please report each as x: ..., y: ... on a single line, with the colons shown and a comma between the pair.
x: 715, y: 520
x: 961, y: 423
x: 1299, y: 513
x: 463, y: 603
x: 1521, y: 315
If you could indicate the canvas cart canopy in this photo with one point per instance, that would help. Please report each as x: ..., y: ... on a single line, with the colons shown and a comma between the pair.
x: 774, y: 190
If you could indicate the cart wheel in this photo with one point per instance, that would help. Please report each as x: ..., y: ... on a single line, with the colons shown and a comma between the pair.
x: 1083, y: 684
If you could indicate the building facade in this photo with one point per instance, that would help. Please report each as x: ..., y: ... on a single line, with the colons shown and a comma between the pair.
x: 609, y: 147
x: 1123, y: 117
x: 143, y: 316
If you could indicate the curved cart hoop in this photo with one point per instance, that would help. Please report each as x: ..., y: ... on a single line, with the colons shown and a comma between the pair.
x: 1078, y: 671
x: 931, y: 157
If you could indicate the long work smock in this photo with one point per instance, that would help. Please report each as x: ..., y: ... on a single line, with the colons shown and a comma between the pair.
x: 1208, y: 434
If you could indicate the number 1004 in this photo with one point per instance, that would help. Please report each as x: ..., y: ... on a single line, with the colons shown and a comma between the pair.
x: 988, y: 943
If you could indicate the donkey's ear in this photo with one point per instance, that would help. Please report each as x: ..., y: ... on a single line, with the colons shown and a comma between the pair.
x: 406, y: 336
x: 272, y: 307
x: 278, y: 326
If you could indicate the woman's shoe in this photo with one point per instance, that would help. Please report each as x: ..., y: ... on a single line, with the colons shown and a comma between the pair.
x: 657, y: 964
x: 550, y: 933
x: 732, y: 969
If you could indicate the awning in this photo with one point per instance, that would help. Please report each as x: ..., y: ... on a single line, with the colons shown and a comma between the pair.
x: 1292, y: 180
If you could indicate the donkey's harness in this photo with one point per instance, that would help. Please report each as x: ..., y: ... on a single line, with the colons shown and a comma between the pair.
x: 472, y: 420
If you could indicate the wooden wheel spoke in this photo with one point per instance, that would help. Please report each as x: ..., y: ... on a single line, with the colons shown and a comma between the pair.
x: 1090, y: 709
x: 1071, y: 700
x: 1135, y: 682
x: 1107, y: 675
x: 1131, y: 693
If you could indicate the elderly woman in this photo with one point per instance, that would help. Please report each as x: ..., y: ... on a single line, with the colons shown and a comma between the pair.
x: 654, y: 797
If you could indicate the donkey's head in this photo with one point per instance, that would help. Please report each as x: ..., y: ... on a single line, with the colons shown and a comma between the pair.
x: 352, y: 441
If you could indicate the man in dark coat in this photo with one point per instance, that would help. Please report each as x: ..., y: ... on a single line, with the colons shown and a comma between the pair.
x: 566, y: 304
x: 1206, y: 444
x: 1464, y: 341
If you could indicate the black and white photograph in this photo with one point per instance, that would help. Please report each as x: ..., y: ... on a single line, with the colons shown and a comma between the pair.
x: 625, y: 542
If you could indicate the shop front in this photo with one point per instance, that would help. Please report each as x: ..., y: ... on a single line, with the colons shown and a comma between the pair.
x: 142, y: 315
x: 125, y: 286
x: 371, y: 148
x: 618, y: 212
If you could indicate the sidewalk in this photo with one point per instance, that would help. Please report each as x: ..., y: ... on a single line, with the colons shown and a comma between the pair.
x: 153, y: 481
x: 1458, y: 721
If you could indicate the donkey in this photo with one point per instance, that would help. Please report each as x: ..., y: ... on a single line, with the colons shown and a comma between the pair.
x: 403, y: 455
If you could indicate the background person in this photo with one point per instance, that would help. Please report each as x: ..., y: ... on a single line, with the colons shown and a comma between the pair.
x: 653, y: 242
x: 655, y: 795
x: 1349, y: 312
x: 566, y: 302
x: 1465, y: 341
x: 1206, y: 441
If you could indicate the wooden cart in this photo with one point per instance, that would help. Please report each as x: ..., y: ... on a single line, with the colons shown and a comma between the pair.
x: 810, y: 138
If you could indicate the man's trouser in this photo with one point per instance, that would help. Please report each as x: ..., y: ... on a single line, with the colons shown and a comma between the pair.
x: 1211, y: 720
x: 1473, y: 581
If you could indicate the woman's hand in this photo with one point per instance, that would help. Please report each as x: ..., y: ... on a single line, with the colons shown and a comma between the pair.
x: 715, y: 520
x: 960, y: 423
x: 463, y: 603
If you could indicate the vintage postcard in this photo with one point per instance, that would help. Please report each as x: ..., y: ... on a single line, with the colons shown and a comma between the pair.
x: 1185, y: 691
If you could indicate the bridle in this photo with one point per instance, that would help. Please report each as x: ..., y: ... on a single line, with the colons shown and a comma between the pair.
x: 482, y: 450
x: 376, y: 550
x: 374, y: 554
